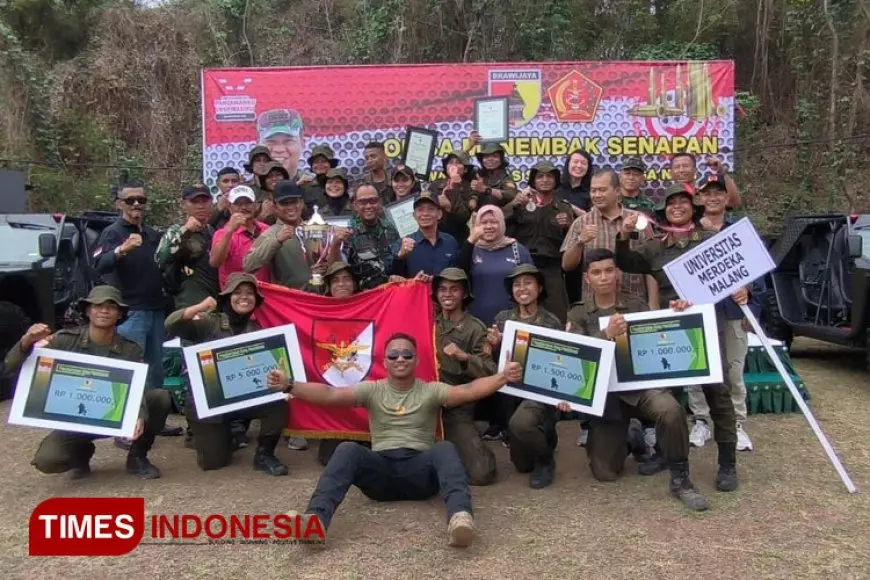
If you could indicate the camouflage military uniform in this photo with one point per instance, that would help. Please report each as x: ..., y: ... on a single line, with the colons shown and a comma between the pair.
x: 469, y: 334
x: 211, y: 436
x: 606, y: 446
x: 183, y: 257
x: 639, y: 203
x: 651, y: 258
x: 62, y: 451
x: 368, y: 251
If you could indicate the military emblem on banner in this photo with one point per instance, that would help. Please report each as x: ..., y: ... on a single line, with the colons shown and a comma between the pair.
x: 343, y: 350
x: 575, y: 98
x: 524, y: 89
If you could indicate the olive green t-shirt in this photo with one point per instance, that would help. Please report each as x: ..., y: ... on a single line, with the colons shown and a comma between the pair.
x: 401, y: 419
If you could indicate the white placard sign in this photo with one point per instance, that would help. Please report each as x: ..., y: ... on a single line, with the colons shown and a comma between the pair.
x: 230, y: 374
x: 79, y: 392
x: 665, y: 348
x: 714, y: 270
x: 558, y: 366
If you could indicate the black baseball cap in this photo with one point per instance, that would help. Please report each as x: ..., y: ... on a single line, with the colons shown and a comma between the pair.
x: 426, y: 197
x: 711, y: 180
x: 194, y: 191
x: 286, y: 190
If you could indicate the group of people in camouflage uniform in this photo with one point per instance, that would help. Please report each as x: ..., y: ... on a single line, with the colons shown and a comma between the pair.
x: 559, y: 254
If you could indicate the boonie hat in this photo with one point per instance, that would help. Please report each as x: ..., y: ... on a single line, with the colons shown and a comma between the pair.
x: 521, y: 270
x: 102, y: 294
x: 452, y: 275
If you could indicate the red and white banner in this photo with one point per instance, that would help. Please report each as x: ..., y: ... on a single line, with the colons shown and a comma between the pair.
x: 343, y: 342
x: 609, y: 109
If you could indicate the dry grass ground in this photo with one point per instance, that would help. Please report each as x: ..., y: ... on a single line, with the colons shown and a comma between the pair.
x: 791, y: 518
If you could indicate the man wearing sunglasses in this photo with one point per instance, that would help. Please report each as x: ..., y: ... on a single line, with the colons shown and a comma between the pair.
x: 405, y: 462
x: 124, y: 258
x: 367, y: 240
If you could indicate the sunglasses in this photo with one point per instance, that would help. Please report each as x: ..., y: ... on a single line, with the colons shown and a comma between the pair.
x: 368, y: 201
x: 135, y: 200
x: 400, y: 354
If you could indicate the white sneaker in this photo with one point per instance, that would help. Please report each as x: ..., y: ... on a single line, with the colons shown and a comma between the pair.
x: 584, y: 437
x: 700, y: 434
x: 297, y: 443
x: 744, y: 443
x: 649, y: 438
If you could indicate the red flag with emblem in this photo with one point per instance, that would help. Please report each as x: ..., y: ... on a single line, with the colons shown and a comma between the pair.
x: 343, y: 341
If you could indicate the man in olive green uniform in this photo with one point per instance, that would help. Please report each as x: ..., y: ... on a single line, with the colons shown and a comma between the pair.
x: 281, y: 246
x: 183, y: 251
x: 632, y: 176
x: 209, y: 320
x: 606, y: 446
x: 677, y: 215
x: 376, y: 173
x: 493, y: 185
x: 532, y: 427
x: 453, y: 193
x: 539, y: 220
x: 313, y: 185
x: 462, y: 357
x: 63, y: 451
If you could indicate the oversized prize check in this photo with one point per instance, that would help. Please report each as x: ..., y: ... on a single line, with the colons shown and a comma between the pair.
x: 79, y: 393
x: 558, y: 366
x: 664, y: 348
x: 230, y: 374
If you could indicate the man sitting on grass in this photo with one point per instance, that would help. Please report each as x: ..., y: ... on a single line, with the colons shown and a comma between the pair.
x: 405, y: 462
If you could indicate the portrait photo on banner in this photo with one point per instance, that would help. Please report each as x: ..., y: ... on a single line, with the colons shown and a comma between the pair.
x: 558, y: 366
x: 230, y: 374
x: 79, y: 393
x: 664, y: 348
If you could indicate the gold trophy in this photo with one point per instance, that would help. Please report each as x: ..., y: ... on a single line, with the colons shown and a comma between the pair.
x: 317, y: 235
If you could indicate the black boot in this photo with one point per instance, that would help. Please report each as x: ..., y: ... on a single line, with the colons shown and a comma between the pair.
x: 80, y: 471
x: 653, y: 465
x: 188, y: 439
x: 171, y: 432
x: 265, y: 460
x: 139, y: 465
x: 636, y: 444
x: 543, y: 473
x: 726, y: 479
x: 683, y: 489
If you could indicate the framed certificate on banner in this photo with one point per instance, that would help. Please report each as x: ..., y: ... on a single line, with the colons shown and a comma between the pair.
x: 402, y: 216
x: 663, y: 348
x: 338, y: 221
x: 79, y: 393
x: 558, y: 366
x: 491, y: 119
x: 419, y: 150
x: 230, y: 374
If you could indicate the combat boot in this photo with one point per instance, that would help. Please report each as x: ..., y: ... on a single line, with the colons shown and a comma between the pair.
x: 139, y: 465
x: 543, y: 473
x: 726, y: 479
x: 653, y: 465
x: 265, y: 460
x: 684, y: 490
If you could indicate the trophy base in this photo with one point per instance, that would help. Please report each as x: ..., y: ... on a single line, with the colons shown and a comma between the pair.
x: 316, y: 280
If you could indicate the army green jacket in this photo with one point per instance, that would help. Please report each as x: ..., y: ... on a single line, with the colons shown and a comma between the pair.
x: 78, y: 340
x: 288, y: 260
x: 469, y: 334
x: 455, y: 221
x: 583, y: 317
x: 639, y: 203
x: 205, y: 328
x: 542, y: 318
x: 498, y: 179
x: 652, y: 256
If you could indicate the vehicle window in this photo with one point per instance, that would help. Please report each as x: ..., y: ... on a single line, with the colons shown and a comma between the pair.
x: 20, y: 242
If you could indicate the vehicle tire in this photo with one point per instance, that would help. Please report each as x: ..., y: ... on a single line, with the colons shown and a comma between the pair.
x: 774, y: 324
x: 13, y: 324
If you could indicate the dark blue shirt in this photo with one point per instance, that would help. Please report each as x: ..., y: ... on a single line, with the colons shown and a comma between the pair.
x: 425, y: 257
x: 137, y: 274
